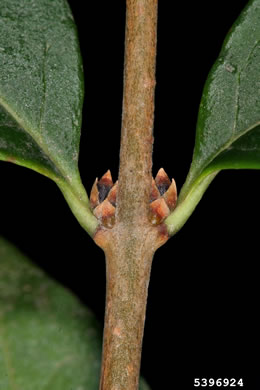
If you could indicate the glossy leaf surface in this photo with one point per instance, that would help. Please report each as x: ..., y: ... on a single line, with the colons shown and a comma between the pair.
x: 48, y: 339
x: 41, y: 95
x: 41, y: 87
x: 228, y: 127
x: 229, y: 112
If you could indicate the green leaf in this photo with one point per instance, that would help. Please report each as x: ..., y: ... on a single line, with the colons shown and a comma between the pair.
x: 41, y: 86
x: 228, y: 131
x: 229, y: 112
x: 41, y: 93
x: 48, y: 339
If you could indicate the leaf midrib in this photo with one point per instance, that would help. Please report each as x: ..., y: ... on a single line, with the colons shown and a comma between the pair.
x: 38, y: 140
x: 42, y: 146
x: 234, y: 139
x: 197, y: 175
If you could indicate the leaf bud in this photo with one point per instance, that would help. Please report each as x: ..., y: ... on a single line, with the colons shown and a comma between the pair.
x: 105, y: 212
x: 158, y: 211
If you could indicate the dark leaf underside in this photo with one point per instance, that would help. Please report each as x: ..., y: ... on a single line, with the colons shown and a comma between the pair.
x: 48, y: 339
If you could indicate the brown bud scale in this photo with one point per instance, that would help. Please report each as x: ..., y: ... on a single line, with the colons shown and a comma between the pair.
x: 112, y: 194
x: 155, y: 194
x: 162, y: 181
x: 104, y: 185
x: 103, y: 196
x: 170, y: 196
x: 158, y: 211
x: 94, y: 195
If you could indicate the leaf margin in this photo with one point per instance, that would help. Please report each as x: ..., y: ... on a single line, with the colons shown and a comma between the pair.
x: 195, y: 186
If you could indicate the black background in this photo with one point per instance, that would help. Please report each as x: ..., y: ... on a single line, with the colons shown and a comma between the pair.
x: 202, y: 315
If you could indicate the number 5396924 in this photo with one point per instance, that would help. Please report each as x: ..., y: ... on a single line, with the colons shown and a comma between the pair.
x: 220, y: 382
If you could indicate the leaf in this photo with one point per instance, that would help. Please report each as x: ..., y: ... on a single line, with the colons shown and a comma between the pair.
x: 243, y: 153
x: 228, y: 131
x: 41, y: 94
x: 41, y: 86
x: 48, y: 339
x: 229, y: 112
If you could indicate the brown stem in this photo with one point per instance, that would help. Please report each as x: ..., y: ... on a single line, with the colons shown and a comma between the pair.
x: 130, y: 245
x: 138, y: 110
x: 128, y: 266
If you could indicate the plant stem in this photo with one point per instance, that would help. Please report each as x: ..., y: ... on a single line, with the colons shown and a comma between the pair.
x: 129, y: 253
x: 128, y: 264
x: 138, y: 110
x: 79, y: 205
x: 130, y: 245
x: 187, y: 204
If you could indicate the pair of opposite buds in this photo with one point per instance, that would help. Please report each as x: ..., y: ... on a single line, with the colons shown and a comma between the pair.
x: 163, y: 198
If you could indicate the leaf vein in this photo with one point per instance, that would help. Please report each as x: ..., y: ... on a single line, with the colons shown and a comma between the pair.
x: 27, y: 129
x: 56, y: 371
x: 236, y: 107
x: 43, y: 105
x: 235, y: 136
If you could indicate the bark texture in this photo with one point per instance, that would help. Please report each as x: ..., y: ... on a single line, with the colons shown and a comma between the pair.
x: 128, y: 264
x: 135, y: 168
x: 130, y: 245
